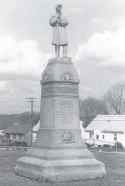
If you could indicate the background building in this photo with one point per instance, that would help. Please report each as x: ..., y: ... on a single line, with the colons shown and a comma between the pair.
x: 18, y: 129
x: 18, y: 134
x: 106, y: 129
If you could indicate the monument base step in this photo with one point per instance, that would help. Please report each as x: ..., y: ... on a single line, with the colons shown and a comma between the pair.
x: 60, y: 167
x: 95, y: 182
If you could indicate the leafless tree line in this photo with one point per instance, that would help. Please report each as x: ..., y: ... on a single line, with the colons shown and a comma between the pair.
x: 113, y: 102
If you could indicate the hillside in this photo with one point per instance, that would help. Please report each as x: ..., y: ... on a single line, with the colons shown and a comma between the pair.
x: 6, y: 120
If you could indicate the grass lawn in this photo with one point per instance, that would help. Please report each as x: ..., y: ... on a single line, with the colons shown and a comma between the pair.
x: 115, y: 165
x: 7, y: 176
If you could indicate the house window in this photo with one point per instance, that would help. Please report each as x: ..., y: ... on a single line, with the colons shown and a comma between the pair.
x: 103, y: 136
x: 97, y: 137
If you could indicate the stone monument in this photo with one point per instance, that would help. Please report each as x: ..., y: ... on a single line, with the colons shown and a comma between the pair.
x: 59, y: 155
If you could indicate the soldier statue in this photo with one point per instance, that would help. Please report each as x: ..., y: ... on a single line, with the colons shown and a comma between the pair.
x: 59, y: 23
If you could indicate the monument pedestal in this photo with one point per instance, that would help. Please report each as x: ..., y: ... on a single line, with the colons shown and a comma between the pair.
x: 59, y: 155
x: 60, y: 165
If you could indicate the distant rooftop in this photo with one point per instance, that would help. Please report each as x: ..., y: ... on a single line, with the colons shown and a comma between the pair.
x: 108, y: 123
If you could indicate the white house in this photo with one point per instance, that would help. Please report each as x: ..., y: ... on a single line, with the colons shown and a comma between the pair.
x: 106, y: 129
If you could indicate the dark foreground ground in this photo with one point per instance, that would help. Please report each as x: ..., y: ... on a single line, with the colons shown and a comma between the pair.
x: 115, y: 165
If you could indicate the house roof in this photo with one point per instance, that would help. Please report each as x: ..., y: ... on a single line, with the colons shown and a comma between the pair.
x: 108, y: 124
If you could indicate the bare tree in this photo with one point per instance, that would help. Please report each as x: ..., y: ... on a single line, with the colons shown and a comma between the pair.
x: 89, y: 108
x: 115, y: 98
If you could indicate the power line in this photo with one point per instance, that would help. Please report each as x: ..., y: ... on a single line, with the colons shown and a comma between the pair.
x: 31, y: 100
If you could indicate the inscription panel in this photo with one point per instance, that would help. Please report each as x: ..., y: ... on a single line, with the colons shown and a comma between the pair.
x: 68, y: 137
x: 66, y: 113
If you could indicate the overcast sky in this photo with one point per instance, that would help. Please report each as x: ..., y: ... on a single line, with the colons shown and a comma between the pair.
x: 96, y: 44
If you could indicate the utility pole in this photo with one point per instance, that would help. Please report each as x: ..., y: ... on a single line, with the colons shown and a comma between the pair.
x: 31, y: 100
x: 116, y: 142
